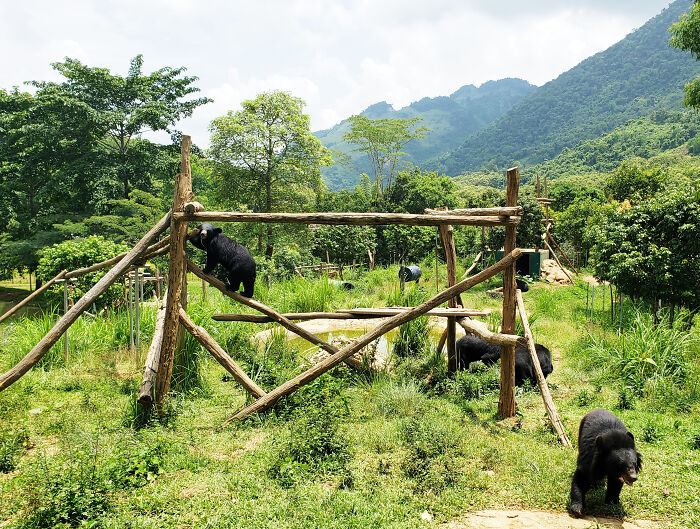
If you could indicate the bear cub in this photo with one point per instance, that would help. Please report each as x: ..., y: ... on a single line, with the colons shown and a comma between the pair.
x: 605, y: 448
x: 234, y: 257
x: 472, y: 349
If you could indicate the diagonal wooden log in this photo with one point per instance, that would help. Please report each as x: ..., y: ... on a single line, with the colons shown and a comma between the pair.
x: 292, y: 385
x: 31, y: 296
x: 150, y: 367
x: 541, y: 382
x: 203, y: 337
x: 82, y: 304
x: 481, y: 330
x: 271, y: 313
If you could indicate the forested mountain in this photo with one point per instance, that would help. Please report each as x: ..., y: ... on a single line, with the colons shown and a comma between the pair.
x: 450, y: 120
x: 632, y: 78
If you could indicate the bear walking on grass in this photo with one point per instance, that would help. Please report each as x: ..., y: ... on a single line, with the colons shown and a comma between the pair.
x: 605, y: 448
x: 472, y: 349
x: 234, y: 257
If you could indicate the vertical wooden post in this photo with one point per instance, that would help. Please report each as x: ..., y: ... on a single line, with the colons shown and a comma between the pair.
x: 65, y: 310
x: 137, y: 312
x: 178, y: 233
x: 506, y: 401
x: 448, y: 243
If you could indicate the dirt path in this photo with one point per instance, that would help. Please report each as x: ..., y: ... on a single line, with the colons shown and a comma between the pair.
x: 513, y: 519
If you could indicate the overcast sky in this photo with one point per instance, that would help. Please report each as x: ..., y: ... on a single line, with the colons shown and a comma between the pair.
x: 339, y: 56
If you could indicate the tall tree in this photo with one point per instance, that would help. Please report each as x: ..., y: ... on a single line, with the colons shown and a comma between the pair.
x: 121, y: 108
x: 686, y: 36
x: 383, y: 140
x: 267, y: 157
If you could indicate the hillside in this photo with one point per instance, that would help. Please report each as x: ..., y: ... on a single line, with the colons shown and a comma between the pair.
x: 631, y: 79
x: 450, y: 119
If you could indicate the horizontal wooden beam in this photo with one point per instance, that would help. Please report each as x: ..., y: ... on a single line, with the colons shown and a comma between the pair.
x: 352, y: 219
x: 442, y: 312
x: 511, y: 211
x: 351, y: 314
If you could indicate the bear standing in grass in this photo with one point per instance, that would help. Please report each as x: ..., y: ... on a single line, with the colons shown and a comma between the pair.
x: 234, y: 257
x: 605, y: 448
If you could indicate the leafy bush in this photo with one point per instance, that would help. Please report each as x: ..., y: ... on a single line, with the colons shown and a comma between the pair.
x: 139, y: 461
x: 79, y: 253
x: 12, y: 445
x: 477, y: 381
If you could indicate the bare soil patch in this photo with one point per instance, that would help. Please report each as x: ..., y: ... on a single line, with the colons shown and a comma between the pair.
x: 518, y: 519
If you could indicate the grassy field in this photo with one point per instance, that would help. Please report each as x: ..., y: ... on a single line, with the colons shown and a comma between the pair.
x: 351, y: 449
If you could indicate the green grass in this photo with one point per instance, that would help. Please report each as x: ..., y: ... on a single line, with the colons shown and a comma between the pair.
x: 346, y: 451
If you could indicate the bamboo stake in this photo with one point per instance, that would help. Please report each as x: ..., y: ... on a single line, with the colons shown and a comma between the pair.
x: 82, y: 304
x: 295, y: 383
x: 506, y: 401
x: 178, y: 232
x: 150, y: 367
x: 203, y: 337
x: 352, y: 219
x: 37, y: 292
x: 544, y: 388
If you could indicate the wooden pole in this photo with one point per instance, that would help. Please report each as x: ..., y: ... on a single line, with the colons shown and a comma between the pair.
x: 350, y: 219
x: 137, y: 315
x: 203, y: 337
x: 541, y: 383
x: 506, y: 401
x: 65, y: 310
x: 348, y: 314
x: 481, y: 330
x: 551, y: 238
x: 448, y: 244
x: 558, y: 261
x: 33, y: 295
x: 40, y: 349
x: 292, y: 385
x: 178, y: 231
x: 150, y: 368
x: 516, y: 211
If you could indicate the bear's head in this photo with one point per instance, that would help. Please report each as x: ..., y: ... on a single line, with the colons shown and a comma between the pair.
x: 206, y: 234
x: 622, y: 460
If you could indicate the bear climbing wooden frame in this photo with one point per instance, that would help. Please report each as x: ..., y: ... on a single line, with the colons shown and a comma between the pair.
x: 173, y: 312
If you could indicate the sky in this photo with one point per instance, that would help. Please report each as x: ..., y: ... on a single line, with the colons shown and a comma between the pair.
x: 339, y: 56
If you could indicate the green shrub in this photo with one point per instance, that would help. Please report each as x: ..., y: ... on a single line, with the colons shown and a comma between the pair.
x: 139, y: 461
x: 584, y: 398
x: 12, y: 446
x: 399, y: 398
x: 651, y: 432
x: 477, y: 381
x: 626, y: 399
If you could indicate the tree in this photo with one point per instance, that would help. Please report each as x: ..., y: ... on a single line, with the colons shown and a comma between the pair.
x: 634, y: 181
x: 686, y: 36
x: 121, y: 108
x: 382, y: 141
x: 267, y: 157
x: 414, y: 191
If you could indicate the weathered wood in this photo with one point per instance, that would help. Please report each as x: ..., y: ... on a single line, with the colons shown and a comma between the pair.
x: 442, y: 341
x: 150, y: 367
x: 33, y: 295
x: 541, y: 382
x: 82, y: 304
x: 203, y: 337
x: 557, y: 260
x: 473, y: 265
x: 193, y: 207
x: 448, y: 245
x: 551, y: 238
x: 506, y: 401
x: 352, y: 219
x: 176, y: 273
x: 271, y: 313
x: 439, y: 311
x: 292, y: 385
x: 481, y: 330
x: 348, y: 314
x: 497, y: 212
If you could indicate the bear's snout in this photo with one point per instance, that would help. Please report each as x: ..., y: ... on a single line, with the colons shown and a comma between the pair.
x: 630, y: 477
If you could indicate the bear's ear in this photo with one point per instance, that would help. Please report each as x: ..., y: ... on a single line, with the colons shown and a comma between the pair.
x: 600, y: 442
x: 631, y: 436
x: 217, y: 230
x: 638, y: 466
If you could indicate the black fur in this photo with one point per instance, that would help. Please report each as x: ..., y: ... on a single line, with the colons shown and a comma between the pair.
x: 521, y: 285
x: 234, y: 257
x: 605, y: 449
x: 472, y: 349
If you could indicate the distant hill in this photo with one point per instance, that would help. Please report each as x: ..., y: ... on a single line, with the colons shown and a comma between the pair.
x: 631, y: 79
x: 451, y: 119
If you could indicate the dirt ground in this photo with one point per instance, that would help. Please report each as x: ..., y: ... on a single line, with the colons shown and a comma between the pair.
x: 513, y: 519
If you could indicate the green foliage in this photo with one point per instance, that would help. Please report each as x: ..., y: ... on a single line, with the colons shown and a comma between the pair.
x: 414, y: 191
x: 632, y: 181
x: 651, y: 249
x: 343, y: 243
x: 686, y: 36
x: 573, y: 223
x: 651, y: 433
x: 530, y: 228
x: 267, y: 179
x: 138, y: 462
x: 626, y: 399
x: 78, y: 253
x: 12, y: 445
x: 478, y: 381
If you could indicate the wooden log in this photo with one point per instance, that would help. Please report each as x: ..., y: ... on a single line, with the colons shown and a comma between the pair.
x: 479, y: 212
x: 481, y: 330
x: 551, y: 238
x: 271, y: 313
x: 473, y: 265
x: 541, y: 382
x: 176, y: 274
x: 150, y: 367
x: 82, y: 304
x: 506, y: 401
x: 347, y: 314
x: 448, y: 245
x: 439, y: 311
x: 557, y: 260
x: 33, y: 295
x: 193, y: 207
x: 295, y: 383
x: 203, y: 337
x: 352, y: 219
x: 441, y: 342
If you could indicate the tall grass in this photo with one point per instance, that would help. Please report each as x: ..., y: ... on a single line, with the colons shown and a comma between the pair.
x: 645, y: 356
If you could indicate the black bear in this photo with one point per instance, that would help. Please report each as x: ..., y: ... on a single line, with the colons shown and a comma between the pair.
x: 521, y: 285
x: 234, y: 257
x: 472, y: 349
x: 605, y: 448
